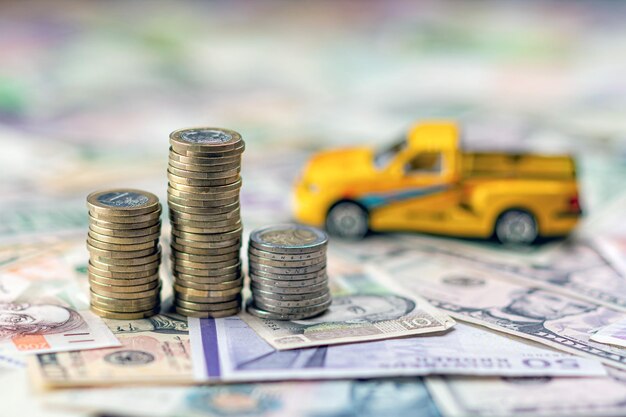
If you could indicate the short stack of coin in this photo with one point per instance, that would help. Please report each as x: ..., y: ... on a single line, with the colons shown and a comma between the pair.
x: 287, y: 269
x: 124, y: 253
x: 203, y: 199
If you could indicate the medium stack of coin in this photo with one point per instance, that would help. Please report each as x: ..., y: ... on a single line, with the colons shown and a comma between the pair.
x: 203, y: 199
x: 287, y: 269
x: 124, y: 253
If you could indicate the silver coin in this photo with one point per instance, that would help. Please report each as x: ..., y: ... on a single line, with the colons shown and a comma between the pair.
x: 260, y: 313
x: 313, y: 309
x: 287, y: 271
x: 218, y: 217
x: 261, y: 301
x: 237, y: 151
x: 218, y: 237
x: 289, y: 291
x: 298, y: 277
x: 205, y: 168
x: 286, y: 256
x: 289, y: 297
x: 288, y: 284
x: 215, y: 279
x: 288, y: 238
x: 213, y: 175
x: 202, y: 210
x: 286, y: 264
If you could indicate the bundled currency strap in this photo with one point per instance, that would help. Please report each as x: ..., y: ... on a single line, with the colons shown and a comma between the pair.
x: 203, y: 200
x: 363, y: 309
x: 482, y: 297
x: 123, y: 243
x: 287, y: 270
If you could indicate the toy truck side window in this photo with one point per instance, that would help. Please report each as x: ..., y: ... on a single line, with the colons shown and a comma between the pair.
x: 425, y: 163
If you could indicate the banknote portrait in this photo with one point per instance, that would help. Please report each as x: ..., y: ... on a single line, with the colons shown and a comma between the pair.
x: 21, y: 319
x: 360, y: 308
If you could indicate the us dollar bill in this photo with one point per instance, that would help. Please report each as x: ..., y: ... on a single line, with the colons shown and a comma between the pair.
x: 362, y: 310
x: 614, y: 334
x: 482, y: 297
x: 153, y: 351
x: 392, y: 398
x: 522, y: 397
x: 229, y: 350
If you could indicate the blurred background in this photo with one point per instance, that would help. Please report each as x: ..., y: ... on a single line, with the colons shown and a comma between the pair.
x: 89, y: 91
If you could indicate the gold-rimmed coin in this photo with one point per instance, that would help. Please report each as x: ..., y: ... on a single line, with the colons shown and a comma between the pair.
x: 145, y: 262
x: 205, y: 265
x: 206, y: 225
x: 122, y: 202
x: 236, y: 213
x: 124, y: 306
x: 123, y: 282
x: 204, y: 161
x: 193, y: 250
x: 207, y: 314
x: 205, y: 193
x: 227, y: 285
x: 106, y: 291
x: 203, y: 210
x: 208, y: 230
x: 121, y: 275
x: 213, y: 200
x: 126, y: 219
x: 114, y: 300
x: 209, y: 306
x: 103, y: 288
x: 227, y: 166
x: 216, y: 279
x: 213, y: 175
x: 125, y: 233
x: 202, y: 182
x: 124, y: 226
x: 202, y: 299
x: 207, y: 273
x: 125, y: 316
x: 111, y: 254
x: 212, y: 258
x: 93, y: 242
x: 124, y: 240
x: 195, y: 189
x: 192, y: 292
x: 210, y: 140
x: 221, y: 237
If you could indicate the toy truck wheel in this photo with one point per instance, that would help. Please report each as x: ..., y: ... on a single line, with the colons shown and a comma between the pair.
x: 348, y: 220
x: 516, y: 227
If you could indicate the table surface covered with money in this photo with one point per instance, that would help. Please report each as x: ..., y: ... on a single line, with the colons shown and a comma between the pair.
x: 419, y: 325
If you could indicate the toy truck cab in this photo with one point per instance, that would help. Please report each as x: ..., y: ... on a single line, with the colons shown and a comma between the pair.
x: 426, y: 183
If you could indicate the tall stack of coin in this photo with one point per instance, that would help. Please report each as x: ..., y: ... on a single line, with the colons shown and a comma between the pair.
x: 124, y: 253
x: 203, y: 198
x: 287, y: 269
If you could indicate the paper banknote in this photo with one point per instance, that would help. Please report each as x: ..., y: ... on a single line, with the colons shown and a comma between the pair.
x: 228, y: 349
x: 42, y: 309
x: 479, y: 296
x: 362, y: 310
x: 526, y: 397
x: 389, y: 398
x: 153, y: 351
x: 614, y: 334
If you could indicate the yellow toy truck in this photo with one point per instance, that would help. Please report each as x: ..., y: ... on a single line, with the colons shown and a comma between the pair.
x: 425, y: 183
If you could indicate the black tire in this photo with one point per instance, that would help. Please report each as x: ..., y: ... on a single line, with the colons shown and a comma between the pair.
x: 517, y: 227
x: 348, y: 220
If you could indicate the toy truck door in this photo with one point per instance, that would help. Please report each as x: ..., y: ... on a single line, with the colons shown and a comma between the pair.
x: 425, y: 192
